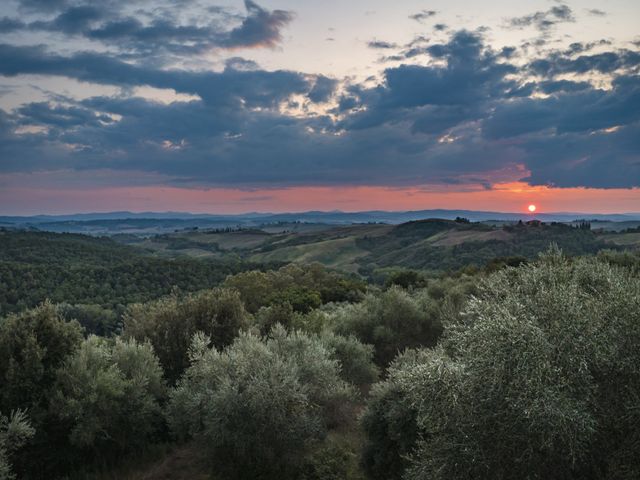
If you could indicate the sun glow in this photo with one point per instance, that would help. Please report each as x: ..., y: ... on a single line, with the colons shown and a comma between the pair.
x: 532, y: 208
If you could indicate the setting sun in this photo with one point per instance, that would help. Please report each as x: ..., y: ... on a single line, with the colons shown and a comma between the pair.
x: 532, y: 208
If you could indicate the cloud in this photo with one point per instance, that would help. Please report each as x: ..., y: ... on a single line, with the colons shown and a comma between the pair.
x: 596, y: 12
x: 558, y: 63
x: 260, y: 28
x: 10, y: 25
x: 254, y: 88
x: 163, y: 32
x: 381, y: 45
x: 543, y: 21
x: 461, y: 113
x: 423, y: 15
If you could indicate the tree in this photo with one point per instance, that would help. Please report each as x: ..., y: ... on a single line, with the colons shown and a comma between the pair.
x: 389, y: 421
x: 260, y: 404
x: 33, y: 344
x: 538, y: 379
x: 170, y: 323
x: 303, y: 287
x: 391, y: 321
x: 15, y: 431
x: 109, y: 392
x: 356, y: 358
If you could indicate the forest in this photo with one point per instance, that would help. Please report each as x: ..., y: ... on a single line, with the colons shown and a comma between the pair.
x: 117, y: 363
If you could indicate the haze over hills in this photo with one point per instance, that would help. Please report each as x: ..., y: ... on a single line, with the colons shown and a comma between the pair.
x: 107, y: 223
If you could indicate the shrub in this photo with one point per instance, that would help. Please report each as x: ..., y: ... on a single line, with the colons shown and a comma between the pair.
x: 303, y: 287
x: 390, y: 421
x: 259, y: 404
x: 15, y: 431
x: 539, y: 379
x: 170, y: 323
x: 355, y: 358
x: 391, y: 321
x: 109, y: 394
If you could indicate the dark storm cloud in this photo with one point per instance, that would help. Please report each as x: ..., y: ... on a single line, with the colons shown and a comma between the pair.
x: 459, y: 114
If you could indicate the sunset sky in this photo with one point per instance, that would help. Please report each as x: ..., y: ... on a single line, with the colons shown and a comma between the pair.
x: 293, y: 105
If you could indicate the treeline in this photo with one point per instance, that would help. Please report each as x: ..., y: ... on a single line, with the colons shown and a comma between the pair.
x: 531, y: 371
x: 98, y: 272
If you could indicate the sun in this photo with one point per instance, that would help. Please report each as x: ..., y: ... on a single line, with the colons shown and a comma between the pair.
x: 532, y: 208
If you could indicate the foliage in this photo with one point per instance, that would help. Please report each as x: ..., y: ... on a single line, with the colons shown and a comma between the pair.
x: 170, y: 323
x: 334, y: 459
x: 94, y: 319
x: 260, y: 403
x: 33, y: 344
x: 389, y: 421
x: 627, y: 259
x: 538, y: 379
x: 303, y: 287
x: 355, y: 358
x: 109, y: 394
x: 78, y: 269
x: 15, y: 431
x: 405, y: 245
x: 406, y: 279
x: 391, y: 321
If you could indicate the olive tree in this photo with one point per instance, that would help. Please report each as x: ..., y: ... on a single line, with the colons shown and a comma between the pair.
x: 260, y: 403
x: 391, y: 321
x: 539, y: 379
x: 15, y: 431
x: 109, y: 394
x: 170, y: 323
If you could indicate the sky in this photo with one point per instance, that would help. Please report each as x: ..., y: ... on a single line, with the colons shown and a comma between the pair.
x: 291, y: 105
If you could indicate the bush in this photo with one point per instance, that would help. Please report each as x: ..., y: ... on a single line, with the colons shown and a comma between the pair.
x: 15, y: 431
x: 109, y: 394
x: 170, y: 323
x: 93, y: 318
x: 389, y: 421
x: 259, y: 404
x: 539, y: 379
x: 303, y: 287
x: 33, y: 345
x: 355, y: 358
x: 391, y: 321
x: 406, y: 279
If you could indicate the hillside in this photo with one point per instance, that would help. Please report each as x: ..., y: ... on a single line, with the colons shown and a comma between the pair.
x: 35, y: 266
x: 434, y: 244
x: 128, y: 268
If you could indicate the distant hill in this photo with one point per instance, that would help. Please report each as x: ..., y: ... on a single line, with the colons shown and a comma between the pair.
x: 35, y: 266
x: 150, y: 223
x: 432, y: 244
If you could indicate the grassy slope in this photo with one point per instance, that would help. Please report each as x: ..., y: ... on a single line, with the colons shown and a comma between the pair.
x: 426, y: 244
